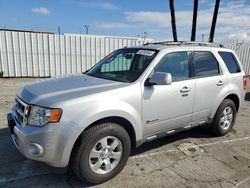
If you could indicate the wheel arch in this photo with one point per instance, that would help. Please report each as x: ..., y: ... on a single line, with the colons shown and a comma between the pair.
x: 235, y: 99
x: 232, y: 96
x: 123, y: 122
x: 126, y: 124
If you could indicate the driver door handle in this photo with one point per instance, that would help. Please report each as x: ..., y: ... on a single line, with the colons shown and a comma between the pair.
x: 185, y: 89
x: 220, y: 83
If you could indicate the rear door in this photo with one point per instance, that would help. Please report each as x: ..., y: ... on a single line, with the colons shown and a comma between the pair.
x: 210, y: 83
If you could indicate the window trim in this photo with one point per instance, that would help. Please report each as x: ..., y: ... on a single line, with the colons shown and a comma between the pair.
x: 193, y: 75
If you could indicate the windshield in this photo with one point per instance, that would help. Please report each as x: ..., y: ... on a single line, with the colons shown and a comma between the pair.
x: 124, y: 65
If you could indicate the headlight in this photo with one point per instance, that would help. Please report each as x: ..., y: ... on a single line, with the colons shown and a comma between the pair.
x: 40, y: 116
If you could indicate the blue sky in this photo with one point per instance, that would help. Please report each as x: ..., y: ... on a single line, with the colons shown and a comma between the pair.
x: 128, y: 17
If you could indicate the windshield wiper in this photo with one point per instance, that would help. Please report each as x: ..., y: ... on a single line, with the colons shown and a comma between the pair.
x: 85, y: 71
x: 107, y: 78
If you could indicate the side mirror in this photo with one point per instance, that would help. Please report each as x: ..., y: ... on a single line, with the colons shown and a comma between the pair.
x: 160, y: 78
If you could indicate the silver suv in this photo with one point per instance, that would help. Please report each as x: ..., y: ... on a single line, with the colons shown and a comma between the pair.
x: 134, y: 95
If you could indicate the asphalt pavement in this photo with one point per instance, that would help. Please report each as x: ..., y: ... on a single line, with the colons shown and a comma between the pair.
x: 194, y: 158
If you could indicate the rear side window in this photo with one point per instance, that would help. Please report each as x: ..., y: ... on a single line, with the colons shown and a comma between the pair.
x: 204, y: 64
x: 230, y: 61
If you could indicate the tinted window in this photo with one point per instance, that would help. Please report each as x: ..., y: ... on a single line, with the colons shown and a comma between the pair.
x: 205, y: 64
x: 175, y: 63
x: 230, y: 61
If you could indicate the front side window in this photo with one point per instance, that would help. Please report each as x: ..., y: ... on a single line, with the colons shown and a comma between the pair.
x: 204, y: 64
x: 124, y: 65
x: 175, y: 63
x: 230, y: 61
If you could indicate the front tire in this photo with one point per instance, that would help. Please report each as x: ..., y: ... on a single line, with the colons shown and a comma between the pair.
x: 224, y: 118
x: 101, y: 153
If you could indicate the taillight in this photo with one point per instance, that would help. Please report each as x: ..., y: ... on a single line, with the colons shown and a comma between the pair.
x: 245, y: 82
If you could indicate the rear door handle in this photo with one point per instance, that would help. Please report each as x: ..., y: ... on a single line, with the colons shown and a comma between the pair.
x: 220, y: 83
x: 185, y: 89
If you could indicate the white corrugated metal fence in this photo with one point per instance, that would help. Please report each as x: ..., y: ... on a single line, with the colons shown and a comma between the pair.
x: 25, y: 54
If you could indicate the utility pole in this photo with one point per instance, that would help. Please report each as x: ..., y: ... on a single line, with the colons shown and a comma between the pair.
x: 202, y: 37
x: 216, y: 9
x: 172, y: 11
x: 194, y: 20
x: 87, y: 29
x: 59, y: 30
x: 144, y: 37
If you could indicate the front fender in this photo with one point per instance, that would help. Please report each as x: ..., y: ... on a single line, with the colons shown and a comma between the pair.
x: 102, y: 110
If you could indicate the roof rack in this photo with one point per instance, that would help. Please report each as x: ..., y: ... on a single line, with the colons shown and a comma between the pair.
x: 180, y: 43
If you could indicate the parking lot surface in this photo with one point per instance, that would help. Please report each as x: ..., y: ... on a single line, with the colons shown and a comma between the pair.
x: 194, y: 158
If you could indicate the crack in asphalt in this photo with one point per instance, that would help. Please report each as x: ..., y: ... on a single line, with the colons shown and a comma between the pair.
x: 199, y: 145
x: 220, y: 180
x: 12, y: 162
x: 202, y: 181
x: 242, y: 182
x: 4, y: 180
x: 223, y: 162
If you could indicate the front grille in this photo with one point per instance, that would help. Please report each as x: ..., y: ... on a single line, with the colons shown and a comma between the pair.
x: 20, y: 111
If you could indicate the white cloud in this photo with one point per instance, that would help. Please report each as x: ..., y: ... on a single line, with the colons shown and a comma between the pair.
x: 241, y: 36
x: 162, y: 19
x: 159, y: 19
x: 41, y: 10
x: 112, y: 26
x: 101, y: 5
x: 107, y: 6
x: 233, y: 20
x: 203, y: 1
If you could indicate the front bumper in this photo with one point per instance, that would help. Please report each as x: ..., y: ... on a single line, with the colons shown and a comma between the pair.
x: 51, y: 144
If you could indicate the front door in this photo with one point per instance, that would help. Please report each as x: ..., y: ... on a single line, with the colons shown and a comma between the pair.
x: 167, y: 107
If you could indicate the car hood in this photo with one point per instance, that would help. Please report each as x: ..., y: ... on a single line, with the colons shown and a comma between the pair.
x: 51, y: 92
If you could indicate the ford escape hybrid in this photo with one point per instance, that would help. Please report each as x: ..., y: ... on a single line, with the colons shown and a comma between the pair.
x: 134, y: 95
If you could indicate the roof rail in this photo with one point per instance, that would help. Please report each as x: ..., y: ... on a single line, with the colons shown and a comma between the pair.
x: 180, y: 43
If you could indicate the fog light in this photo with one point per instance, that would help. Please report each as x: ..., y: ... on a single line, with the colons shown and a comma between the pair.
x: 35, y: 150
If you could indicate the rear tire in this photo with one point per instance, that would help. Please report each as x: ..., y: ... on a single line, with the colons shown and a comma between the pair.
x: 224, y: 118
x: 101, y: 153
